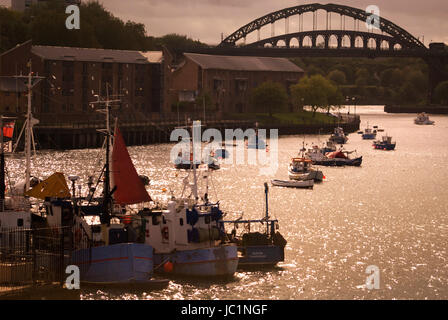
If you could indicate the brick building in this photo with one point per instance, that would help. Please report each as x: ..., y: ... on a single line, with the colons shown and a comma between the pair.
x: 13, y: 96
x: 74, y: 76
x: 226, y: 80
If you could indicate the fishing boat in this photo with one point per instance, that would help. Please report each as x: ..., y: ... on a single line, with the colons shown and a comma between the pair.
x: 300, y: 169
x: 329, y: 146
x: 369, y: 133
x: 422, y: 119
x: 258, y: 247
x: 337, y: 158
x: 308, y: 184
x: 385, y: 143
x: 107, y: 248
x: 338, y: 136
x: 188, y: 236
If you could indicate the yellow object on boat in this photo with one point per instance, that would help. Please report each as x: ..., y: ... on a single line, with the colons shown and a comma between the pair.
x: 54, y: 186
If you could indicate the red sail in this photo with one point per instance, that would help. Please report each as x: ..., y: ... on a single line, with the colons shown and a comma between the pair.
x: 130, y: 188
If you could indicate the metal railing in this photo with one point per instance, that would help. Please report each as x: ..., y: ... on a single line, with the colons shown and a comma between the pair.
x: 32, y: 257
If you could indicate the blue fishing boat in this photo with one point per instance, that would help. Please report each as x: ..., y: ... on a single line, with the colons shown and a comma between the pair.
x: 106, y: 246
x: 369, y: 133
x: 255, y: 248
x: 385, y: 144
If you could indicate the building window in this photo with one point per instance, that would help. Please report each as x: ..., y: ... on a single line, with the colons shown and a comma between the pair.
x: 218, y: 84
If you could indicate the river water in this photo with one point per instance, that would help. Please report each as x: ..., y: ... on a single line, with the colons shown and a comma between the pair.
x: 391, y: 212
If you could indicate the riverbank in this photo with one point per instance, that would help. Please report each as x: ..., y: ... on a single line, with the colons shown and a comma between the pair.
x: 416, y: 109
x: 85, y: 135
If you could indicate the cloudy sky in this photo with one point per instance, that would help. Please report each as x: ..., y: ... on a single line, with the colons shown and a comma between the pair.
x: 206, y: 20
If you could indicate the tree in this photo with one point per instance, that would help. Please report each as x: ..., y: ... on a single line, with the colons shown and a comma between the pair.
x: 269, y: 97
x: 316, y: 91
x: 337, y: 77
x: 441, y: 93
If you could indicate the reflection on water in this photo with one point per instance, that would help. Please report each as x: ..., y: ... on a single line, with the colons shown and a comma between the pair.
x: 390, y: 212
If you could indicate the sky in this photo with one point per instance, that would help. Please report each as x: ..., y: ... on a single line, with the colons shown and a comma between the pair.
x: 207, y: 20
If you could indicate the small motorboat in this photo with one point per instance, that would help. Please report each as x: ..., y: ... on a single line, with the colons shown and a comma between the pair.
x: 259, y: 243
x: 293, y: 183
x: 300, y: 169
x: 338, y: 159
x: 338, y: 136
x: 385, y: 144
x: 423, y: 118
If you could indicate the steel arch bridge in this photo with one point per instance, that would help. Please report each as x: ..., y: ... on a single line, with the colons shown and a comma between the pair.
x: 393, y: 35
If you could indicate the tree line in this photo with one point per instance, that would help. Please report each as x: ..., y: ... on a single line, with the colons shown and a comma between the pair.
x: 44, y: 23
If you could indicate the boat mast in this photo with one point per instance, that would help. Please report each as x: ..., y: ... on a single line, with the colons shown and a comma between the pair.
x: 105, y: 218
x: 266, y: 189
x: 28, y: 131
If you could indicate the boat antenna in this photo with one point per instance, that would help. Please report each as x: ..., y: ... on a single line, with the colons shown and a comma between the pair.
x: 266, y: 190
x: 106, y: 216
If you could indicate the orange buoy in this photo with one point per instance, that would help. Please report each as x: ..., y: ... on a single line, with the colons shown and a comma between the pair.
x: 168, y: 267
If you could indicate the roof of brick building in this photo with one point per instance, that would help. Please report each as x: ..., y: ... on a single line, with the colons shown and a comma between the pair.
x: 239, y: 63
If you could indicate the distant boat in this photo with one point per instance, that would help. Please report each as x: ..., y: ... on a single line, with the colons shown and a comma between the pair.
x: 338, y: 136
x: 338, y: 159
x: 423, y: 118
x: 258, y: 247
x: 368, y: 133
x: 293, y: 183
x: 385, y: 144
x: 184, y: 163
x: 300, y: 169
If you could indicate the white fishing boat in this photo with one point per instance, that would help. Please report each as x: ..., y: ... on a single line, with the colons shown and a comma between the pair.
x: 301, y: 169
x: 188, y: 236
x: 423, y: 118
x: 293, y: 183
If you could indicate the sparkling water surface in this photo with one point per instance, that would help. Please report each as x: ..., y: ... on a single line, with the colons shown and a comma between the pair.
x: 390, y: 212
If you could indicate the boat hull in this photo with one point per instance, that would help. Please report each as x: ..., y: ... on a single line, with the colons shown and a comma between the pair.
x: 261, y: 255
x: 339, y: 162
x: 115, y: 264
x: 293, y: 184
x: 315, y: 175
x: 384, y: 146
x: 338, y: 139
x: 207, y: 262
x: 369, y: 136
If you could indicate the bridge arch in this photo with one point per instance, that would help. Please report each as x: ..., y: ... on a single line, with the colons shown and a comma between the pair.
x: 394, y: 32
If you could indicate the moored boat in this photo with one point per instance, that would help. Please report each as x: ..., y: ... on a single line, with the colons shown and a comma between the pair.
x: 384, y: 144
x: 107, y: 249
x: 337, y: 158
x: 300, y: 169
x: 293, y: 183
x: 338, y: 136
x: 188, y: 236
x: 259, y: 243
x: 423, y: 118
x: 369, y: 133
